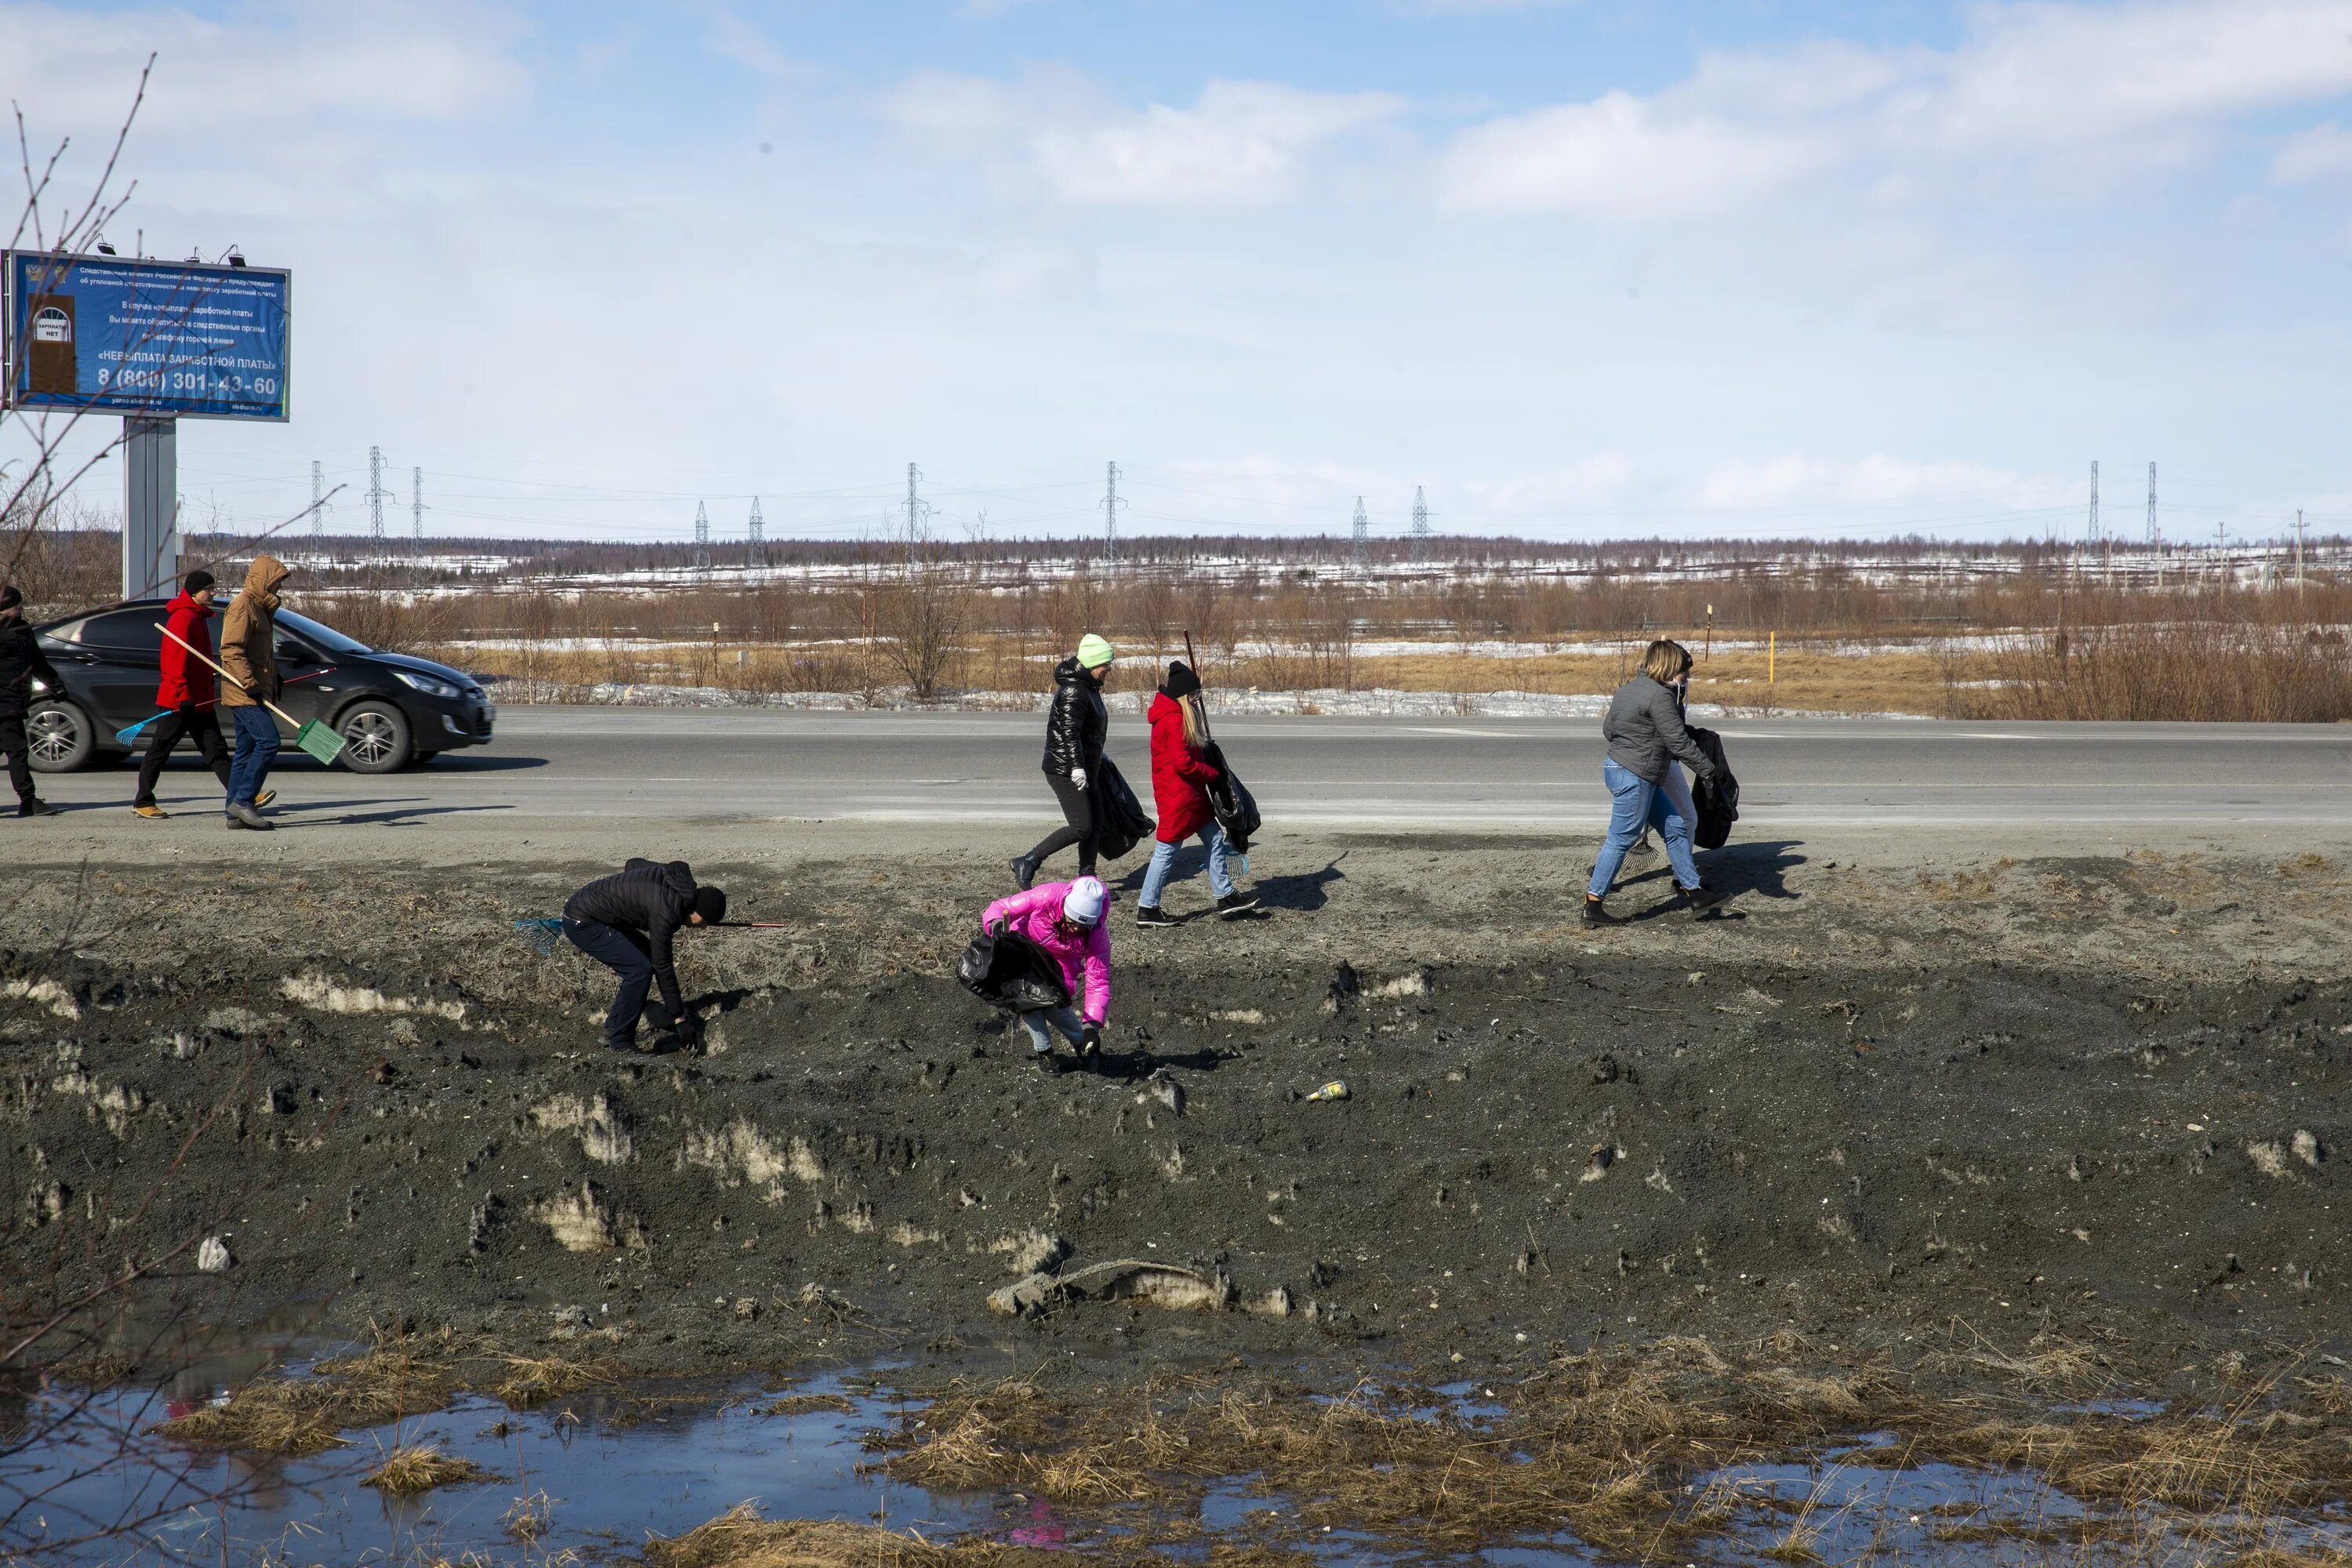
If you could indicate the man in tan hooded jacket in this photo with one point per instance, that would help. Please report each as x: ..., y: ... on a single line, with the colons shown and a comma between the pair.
x: 248, y: 652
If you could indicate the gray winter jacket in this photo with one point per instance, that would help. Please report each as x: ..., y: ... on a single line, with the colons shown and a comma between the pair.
x: 1645, y: 731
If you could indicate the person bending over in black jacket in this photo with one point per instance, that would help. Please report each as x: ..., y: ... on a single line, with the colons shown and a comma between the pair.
x: 625, y: 922
x: 1075, y: 730
x: 21, y: 663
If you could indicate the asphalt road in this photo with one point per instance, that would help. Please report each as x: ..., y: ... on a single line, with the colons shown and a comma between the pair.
x: 569, y: 771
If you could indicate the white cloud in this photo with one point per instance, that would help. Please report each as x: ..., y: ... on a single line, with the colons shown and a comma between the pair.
x: 1245, y: 144
x: 2058, y: 91
x: 2322, y: 151
x: 77, y: 69
x: 732, y: 38
x: 1622, y: 157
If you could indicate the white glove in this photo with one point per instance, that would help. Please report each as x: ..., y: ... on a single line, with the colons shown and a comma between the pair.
x: 1079, y: 777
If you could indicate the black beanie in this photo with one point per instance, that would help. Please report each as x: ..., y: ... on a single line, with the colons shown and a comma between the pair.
x: 199, y: 581
x: 10, y: 598
x: 711, y: 903
x: 1182, y: 681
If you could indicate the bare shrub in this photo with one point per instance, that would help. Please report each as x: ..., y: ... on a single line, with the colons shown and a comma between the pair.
x: 925, y: 596
x: 2189, y: 670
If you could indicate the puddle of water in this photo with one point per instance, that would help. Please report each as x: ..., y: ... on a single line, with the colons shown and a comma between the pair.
x: 615, y: 1465
x: 607, y: 1482
x: 1849, y: 1513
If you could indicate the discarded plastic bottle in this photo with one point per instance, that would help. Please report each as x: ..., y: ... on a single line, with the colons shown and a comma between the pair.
x: 1336, y: 1090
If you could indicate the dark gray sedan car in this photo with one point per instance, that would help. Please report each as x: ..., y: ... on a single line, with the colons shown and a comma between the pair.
x: 392, y: 709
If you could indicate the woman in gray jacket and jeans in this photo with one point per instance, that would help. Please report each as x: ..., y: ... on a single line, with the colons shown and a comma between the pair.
x: 1646, y: 738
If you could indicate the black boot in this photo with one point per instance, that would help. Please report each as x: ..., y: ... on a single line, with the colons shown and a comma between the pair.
x: 1702, y: 899
x: 1596, y: 914
x: 1025, y: 871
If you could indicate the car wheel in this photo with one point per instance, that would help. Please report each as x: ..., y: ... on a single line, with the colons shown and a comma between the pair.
x: 375, y: 738
x: 60, y: 738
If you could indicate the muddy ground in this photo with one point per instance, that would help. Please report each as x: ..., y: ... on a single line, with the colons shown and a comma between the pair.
x: 2100, y: 1097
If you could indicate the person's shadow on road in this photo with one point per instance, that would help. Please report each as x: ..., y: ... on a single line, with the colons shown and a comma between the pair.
x: 1759, y: 868
x: 400, y: 817
x: 1304, y: 891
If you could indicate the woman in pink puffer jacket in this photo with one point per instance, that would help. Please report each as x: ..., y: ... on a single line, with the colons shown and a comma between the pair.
x: 1065, y: 919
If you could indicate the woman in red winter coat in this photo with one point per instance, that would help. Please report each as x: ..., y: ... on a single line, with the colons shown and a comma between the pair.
x: 1180, y: 777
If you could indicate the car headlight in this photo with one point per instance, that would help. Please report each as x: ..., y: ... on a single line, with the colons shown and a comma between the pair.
x: 427, y: 684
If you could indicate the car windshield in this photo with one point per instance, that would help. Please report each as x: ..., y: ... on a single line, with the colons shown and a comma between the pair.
x: 330, y: 641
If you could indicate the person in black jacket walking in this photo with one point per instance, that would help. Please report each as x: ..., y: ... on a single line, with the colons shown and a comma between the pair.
x: 1075, y: 731
x: 626, y: 922
x: 1646, y: 738
x: 21, y: 662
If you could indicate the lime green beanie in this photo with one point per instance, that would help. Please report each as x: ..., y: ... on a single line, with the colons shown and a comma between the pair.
x: 1094, y: 652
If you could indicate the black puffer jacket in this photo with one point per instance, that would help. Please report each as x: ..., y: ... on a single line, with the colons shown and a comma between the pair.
x: 646, y: 896
x: 21, y: 659
x: 1076, y: 727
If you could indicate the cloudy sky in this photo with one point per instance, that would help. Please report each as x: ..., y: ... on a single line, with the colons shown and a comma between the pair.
x: 1578, y: 268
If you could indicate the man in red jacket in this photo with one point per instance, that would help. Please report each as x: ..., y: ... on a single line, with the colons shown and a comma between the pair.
x: 186, y: 694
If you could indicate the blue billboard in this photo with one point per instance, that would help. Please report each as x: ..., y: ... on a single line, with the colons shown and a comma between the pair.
x: 161, y: 340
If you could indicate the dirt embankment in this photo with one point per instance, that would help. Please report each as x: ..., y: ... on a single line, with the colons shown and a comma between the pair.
x: 2104, y: 1098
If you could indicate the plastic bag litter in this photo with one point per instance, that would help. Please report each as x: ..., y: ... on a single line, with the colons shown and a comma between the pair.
x: 1013, y: 973
x: 1119, y: 820
x: 1236, y: 808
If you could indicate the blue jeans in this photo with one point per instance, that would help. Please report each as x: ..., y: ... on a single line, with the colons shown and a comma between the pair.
x: 1163, y: 857
x: 1634, y: 801
x: 257, y: 747
x: 1073, y: 1027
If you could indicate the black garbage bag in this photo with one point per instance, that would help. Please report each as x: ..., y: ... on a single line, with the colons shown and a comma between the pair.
x: 1119, y: 820
x: 1230, y: 798
x: 1013, y: 973
x: 1717, y: 800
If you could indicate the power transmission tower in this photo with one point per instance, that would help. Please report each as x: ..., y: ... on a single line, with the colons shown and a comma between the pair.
x: 917, y: 508
x: 376, y: 496
x: 759, y: 533
x: 2298, y: 547
x: 317, y: 501
x: 2153, y: 536
x: 1360, y: 534
x: 1420, y: 514
x: 1110, y: 514
x: 701, y: 540
x: 2094, y: 535
x: 417, y: 503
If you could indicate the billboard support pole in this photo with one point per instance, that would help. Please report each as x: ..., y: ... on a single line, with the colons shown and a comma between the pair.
x: 151, y: 505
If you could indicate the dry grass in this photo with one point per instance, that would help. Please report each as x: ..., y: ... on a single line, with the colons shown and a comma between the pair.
x: 529, y: 1381
x: 528, y: 1517
x: 739, y: 1538
x: 1610, y: 1446
x: 1807, y: 678
x: 414, y: 1469
x: 397, y: 1375
x: 2207, y: 666
x: 808, y: 1404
